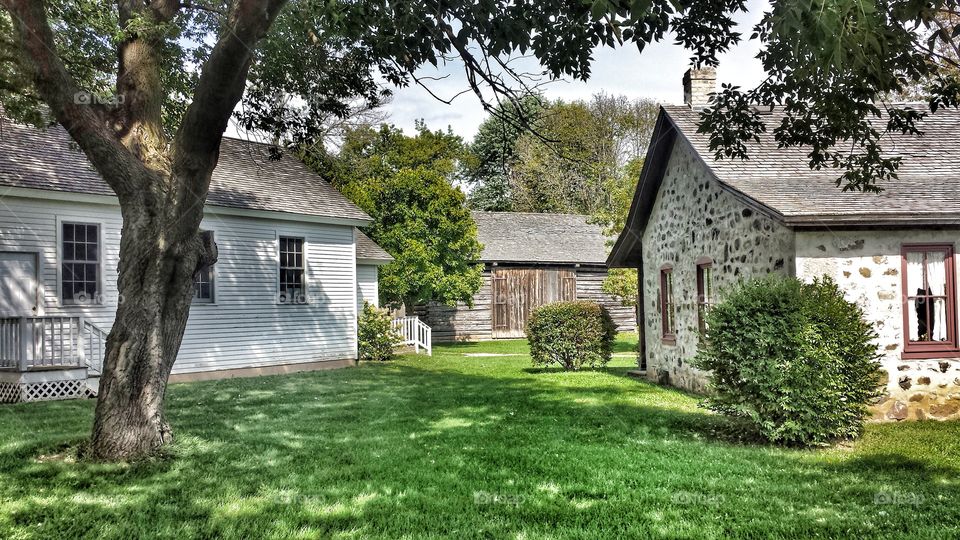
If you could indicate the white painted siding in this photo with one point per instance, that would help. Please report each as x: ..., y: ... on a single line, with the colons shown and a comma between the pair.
x: 367, y: 289
x: 245, y: 327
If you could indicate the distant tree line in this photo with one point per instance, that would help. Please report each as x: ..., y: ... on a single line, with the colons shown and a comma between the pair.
x: 581, y: 157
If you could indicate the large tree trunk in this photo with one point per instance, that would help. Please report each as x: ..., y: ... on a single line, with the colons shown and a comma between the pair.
x: 161, y: 185
x: 159, y: 254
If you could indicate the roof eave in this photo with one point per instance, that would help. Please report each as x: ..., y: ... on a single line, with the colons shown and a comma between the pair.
x: 873, y: 220
x: 531, y: 262
x: 111, y: 200
x: 374, y: 261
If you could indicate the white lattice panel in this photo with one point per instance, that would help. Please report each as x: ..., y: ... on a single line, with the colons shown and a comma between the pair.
x: 46, y: 391
x: 43, y: 391
x: 9, y: 392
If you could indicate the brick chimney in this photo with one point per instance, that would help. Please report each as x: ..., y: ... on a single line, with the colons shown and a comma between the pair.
x: 698, y: 84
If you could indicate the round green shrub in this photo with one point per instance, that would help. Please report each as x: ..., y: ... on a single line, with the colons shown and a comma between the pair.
x: 376, y: 338
x: 795, y: 359
x: 571, y: 335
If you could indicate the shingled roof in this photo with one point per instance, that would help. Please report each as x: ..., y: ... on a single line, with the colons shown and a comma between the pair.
x: 780, y: 182
x: 245, y: 178
x: 369, y: 251
x: 927, y: 190
x: 519, y: 237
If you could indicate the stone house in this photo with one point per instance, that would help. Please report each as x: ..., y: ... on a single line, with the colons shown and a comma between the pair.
x: 529, y: 260
x: 699, y: 225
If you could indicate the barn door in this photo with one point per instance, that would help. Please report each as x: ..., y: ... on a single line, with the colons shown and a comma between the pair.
x: 500, y: 315
x: 518, y: 291
x: 568, y: 285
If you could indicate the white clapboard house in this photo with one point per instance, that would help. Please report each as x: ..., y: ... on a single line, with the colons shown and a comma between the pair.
x: 284, y: 296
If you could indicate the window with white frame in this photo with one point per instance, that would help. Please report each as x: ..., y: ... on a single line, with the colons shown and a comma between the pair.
x: 80, y: 263
x: 203, y: 285
x: 292, y: 271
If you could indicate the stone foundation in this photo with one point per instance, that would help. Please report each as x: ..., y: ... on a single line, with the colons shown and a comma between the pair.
x: 921, y: 390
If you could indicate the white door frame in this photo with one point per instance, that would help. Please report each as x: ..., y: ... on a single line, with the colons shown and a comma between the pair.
x: 37, y: 286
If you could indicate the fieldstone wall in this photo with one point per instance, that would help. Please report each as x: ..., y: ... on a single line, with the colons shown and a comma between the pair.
x: 867, y: 265
x: 695, y: 217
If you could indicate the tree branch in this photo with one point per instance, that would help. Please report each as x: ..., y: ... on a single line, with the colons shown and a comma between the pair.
x: 139, y: 86
x: 85, y: 123
x: 222, y: 82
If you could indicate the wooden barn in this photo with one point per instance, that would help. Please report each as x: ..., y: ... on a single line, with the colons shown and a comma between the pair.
x: 529, y: 260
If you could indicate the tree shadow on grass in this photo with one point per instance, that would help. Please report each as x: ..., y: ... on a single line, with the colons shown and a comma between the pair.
x: 405, y: 450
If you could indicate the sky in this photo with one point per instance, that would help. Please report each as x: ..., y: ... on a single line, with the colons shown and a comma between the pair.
x: 656, y: 74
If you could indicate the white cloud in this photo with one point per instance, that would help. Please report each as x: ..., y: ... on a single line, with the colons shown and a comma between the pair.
x: 655, y: 73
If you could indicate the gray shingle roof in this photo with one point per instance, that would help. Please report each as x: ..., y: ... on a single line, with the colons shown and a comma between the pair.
x: 539, y: 238
x: 928, y: 187
x: 368, y: 250
x: 245, y: 176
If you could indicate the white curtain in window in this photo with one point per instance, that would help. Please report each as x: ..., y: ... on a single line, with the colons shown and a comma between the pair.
x: 914, y: 287
x: 937, y: 280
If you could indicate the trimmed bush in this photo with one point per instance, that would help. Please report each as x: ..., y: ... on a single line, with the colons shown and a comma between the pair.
x: 796, y: 359
x: 377, y: 339
x: 571, y: 335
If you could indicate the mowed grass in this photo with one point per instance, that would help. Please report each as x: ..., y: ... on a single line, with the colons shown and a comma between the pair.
x: 467, y: 447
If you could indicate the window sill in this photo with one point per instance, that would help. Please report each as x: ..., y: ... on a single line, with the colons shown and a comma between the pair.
x: 928, y: 355
x: 668, y: 340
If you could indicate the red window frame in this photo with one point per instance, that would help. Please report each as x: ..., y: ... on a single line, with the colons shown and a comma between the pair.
x: 668, y: 308
x: 704, y: 297
x: 927, y: 349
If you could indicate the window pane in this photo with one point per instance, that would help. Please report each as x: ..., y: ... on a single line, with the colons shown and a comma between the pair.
x: 914, y: 273
x: 91, y: 272
x: 936, y: 273
x: 938, y: 322
x: 67, y: 290
x: 708, y: 283
x: 922, y: 320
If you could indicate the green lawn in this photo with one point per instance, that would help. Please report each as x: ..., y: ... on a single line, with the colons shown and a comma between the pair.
x: 467, y: 447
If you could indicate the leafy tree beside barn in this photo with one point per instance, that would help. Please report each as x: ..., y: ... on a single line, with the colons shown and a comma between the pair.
x: 405, y: 183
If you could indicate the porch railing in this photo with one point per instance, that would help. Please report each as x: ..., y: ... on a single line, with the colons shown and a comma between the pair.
x: 32, y: 343
x: 414, y: 332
